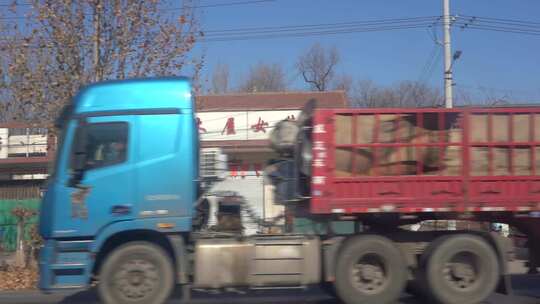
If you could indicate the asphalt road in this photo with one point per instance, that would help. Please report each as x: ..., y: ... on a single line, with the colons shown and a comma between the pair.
x: 526, y: 289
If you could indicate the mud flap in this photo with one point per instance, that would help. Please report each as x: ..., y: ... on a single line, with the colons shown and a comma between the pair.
x: 177, y: 242
x: 505, y: 285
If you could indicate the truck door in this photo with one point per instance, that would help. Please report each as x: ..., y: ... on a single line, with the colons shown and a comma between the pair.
x: 105, y: 193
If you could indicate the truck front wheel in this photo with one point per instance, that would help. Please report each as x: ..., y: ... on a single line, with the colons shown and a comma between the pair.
x: 459, y: 269
x: 370, y: 269
x: 136, y: 273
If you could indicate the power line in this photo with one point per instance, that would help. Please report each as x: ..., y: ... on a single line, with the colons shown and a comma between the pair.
x: 312, y: 33
x: 350, y: 23
x: 221, y: 4
x: 432, y: 68
x: 236, y: 3
x: 477, y: 21
x: 498, y: 25
x: 428, y: 66
x: 503, y: 29
x: 501, y: 20
x: 277, y: 36
x: 254, y: 33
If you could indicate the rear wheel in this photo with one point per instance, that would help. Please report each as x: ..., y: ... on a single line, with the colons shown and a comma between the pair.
x: 136, y: 273
x: 459, y: 269
x: 370, y: 269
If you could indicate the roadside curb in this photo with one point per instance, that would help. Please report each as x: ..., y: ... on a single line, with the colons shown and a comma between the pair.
x: 10, y: 292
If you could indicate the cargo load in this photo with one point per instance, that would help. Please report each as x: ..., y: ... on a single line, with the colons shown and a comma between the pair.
x: 419, y: 152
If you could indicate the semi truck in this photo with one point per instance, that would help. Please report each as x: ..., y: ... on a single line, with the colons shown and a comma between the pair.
x: 124, y: 210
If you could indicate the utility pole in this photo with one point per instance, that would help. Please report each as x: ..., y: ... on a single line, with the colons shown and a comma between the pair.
x: 448, y: 81
x: 447, y: 56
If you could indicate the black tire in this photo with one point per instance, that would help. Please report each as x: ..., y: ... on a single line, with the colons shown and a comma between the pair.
x: 370, y: 270
x: 460, y: 269
x: 136, y: 273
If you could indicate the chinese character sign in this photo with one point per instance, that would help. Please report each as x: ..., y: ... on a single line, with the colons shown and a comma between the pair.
x: 229, y: 127
x: 240, y: 125
x: 199, y: 125
x: 260, y: 126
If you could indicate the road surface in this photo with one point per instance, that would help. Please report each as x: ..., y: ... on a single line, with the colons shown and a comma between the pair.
x: 527, y: 291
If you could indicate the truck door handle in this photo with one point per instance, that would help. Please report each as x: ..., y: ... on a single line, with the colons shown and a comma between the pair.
x: 121, y: 210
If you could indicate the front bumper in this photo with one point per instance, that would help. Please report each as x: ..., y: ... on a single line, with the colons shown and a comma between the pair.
x: 65, y: 265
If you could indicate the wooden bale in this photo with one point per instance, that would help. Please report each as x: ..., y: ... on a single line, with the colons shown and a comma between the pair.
x: 480, y: 161
x: 480, y: 123
x: 340, y: 173
x: 392, y: 169
x: 501, y: 127
x: 522, y: 161
x: 362, y: 162
x: 537, y: 160
x: 536, y: 127
x: 521, y: 127
x: 392, y: 128
x: 365, y: 129
x: 343, y: 129
x: 452, y: 161
x: 501, y: 161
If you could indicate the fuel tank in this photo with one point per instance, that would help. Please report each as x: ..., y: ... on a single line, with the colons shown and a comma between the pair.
x: 258, y: 261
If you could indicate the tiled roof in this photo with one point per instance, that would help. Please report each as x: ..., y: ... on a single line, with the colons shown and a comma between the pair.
x: 269, y: 101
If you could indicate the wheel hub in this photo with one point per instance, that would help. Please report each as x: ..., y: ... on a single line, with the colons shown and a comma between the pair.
x: 369, y: 275
x: 137, y: 279
x: 461, y: 270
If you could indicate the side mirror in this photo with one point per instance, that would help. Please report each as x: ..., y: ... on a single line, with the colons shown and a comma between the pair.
x: 79, y: 155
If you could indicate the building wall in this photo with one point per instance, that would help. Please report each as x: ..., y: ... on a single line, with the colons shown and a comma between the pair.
x: 245, y: 176
x: 246, y: 162
x: 23, y: 142
x: 4, y: 133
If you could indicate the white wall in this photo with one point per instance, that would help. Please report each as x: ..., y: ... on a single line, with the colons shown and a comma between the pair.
x: 251, y: 188
x: 4, y: 143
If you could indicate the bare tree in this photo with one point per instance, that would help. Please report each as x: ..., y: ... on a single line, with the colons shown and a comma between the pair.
x: 416, y: 94
x: 317, y: 66
x: 264, y: 78
x: 486, y: 97
x: 343, y: 82
x: 364, y: 93
x: 405, y: 94
x: 493, y: 97
x: 220, y: 79
x: 65, y: 44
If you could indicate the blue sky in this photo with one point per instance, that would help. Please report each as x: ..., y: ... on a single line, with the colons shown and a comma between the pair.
x: 501, y: 63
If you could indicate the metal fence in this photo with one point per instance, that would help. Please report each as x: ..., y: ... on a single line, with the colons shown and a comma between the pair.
x: 8, y: 222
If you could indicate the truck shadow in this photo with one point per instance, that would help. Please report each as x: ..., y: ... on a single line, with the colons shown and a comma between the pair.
x: 310, y: 296
x: 259, y: 297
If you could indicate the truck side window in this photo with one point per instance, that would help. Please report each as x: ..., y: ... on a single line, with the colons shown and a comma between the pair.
x: 106, y: 144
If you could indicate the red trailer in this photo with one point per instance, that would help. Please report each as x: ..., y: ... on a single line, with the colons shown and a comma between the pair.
x: 389, y: 168
x: 487, y: 160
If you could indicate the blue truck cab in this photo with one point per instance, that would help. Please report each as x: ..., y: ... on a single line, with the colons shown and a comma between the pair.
x: 126, y: 170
